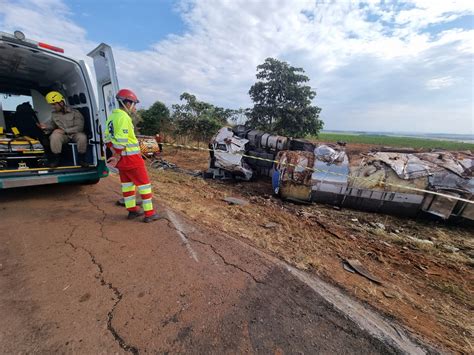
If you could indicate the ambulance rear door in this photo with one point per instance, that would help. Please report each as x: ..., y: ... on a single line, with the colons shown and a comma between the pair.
x: 107, y: 82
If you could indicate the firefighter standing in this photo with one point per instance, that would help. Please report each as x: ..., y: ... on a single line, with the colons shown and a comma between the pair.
x: 120, y: 138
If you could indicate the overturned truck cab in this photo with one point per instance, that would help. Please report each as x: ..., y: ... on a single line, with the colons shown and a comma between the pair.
x: 379, y: 181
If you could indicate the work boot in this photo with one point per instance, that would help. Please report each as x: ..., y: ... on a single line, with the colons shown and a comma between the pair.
x: 54, y: 160
x: 152, y: 218
x: 82, y: 161
x: 135, y: 214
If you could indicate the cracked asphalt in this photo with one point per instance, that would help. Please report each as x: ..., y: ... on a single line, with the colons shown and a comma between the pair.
x: 77, y: 276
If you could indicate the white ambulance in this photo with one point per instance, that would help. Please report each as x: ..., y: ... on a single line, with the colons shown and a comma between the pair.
x: 28, y: 71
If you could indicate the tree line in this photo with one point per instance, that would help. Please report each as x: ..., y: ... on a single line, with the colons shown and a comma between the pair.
x: 282, y: 105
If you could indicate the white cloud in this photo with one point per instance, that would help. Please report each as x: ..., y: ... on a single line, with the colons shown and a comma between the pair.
x: 373, y: 55
x: 440, y: 83
x: 427, y: 12
x: 44, y: 20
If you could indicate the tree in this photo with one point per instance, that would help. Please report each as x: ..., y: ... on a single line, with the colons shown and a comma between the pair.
x: 282, y: 103
x: 205, y: 128
x: 155, y: 119
x: 197, y: 119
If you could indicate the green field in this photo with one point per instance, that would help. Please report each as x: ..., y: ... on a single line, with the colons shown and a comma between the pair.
x: 391, y: 141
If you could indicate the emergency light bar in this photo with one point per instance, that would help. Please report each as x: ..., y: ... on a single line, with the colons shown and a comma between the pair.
x: 50, y: 47
x: 19, y: 38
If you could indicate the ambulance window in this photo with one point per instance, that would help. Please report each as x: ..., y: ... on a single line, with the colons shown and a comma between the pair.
x: 108, y: 93
x: 10, y: 102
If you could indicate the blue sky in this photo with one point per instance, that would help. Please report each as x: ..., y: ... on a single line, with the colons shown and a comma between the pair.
x: 376, y: 66
x: 139, y: 26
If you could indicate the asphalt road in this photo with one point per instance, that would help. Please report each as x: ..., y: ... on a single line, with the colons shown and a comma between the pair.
x: 77, y: 276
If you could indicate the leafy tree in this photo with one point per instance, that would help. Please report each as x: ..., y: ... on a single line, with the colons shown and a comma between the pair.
x: 155, y: 119
x: 137, y: 119
x: 197, y: 119
x: 205, y: 128
x: 282, y: 101
x: 185, y: 115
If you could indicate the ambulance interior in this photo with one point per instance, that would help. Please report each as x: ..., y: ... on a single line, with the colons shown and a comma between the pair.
x: 27, y: 75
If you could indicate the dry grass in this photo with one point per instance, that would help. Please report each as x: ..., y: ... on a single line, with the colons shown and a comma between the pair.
x: 426, y: 287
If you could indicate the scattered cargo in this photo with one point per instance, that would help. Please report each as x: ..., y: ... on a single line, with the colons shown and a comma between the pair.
x: 385, y: 181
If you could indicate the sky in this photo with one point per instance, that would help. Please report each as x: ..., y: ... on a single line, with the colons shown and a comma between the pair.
x: 375, y: 66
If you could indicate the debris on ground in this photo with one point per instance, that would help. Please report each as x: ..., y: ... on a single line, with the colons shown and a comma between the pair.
x: 347, y: 267
x: 161, y: 164
x: 434, y: 301
x: 235, y: 201
x: 377, y: 225
x: 357, y: 266
x: 450, y: 248
x: 438, y: 182
x: 388, y: 294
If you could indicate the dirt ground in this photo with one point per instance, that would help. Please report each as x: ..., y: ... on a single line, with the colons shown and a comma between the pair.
x: 425, y: 265
x: 76, y: 276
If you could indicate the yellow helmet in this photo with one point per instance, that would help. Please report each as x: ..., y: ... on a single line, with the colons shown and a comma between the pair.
x: 54, y: 97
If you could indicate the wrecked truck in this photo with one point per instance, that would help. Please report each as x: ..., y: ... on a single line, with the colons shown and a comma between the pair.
x: 393, y: 182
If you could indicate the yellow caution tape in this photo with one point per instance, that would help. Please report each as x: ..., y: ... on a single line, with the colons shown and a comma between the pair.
x: 449, y: 197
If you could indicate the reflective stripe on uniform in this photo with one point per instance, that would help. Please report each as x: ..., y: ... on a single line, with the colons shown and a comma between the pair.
x: 130, y: 203
x: 122, y: 140
x: 118, y: 146
x: 128, y: 186
x: 125, y: 152
x: 132, y: 149
x: 147, y: 204
x: 144, y: 189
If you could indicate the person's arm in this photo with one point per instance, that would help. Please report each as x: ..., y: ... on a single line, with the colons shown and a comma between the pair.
x: 115, y: 157
x: 119, y: 136
x: 48, y: 126
x: 78, y: 123
x: 115, y: 144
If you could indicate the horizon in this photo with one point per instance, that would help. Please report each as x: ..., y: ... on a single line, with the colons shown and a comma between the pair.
x: 400, y: 132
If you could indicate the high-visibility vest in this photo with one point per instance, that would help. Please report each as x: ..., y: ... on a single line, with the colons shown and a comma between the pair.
x: 120, y: 132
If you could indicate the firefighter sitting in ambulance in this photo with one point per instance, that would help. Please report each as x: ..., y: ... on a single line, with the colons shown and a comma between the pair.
x: 66, y: 125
